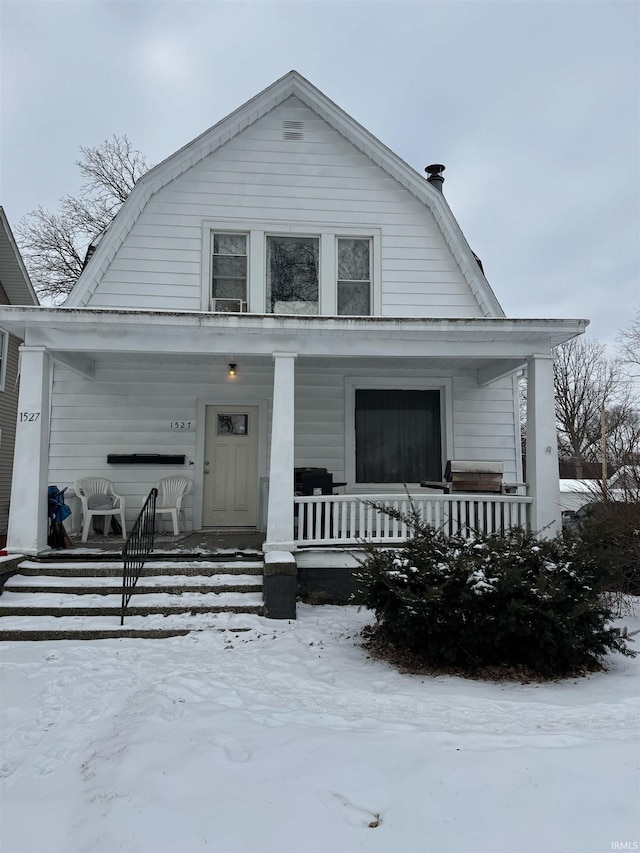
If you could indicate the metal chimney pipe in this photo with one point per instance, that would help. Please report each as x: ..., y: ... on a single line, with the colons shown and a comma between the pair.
x: 435, y: 175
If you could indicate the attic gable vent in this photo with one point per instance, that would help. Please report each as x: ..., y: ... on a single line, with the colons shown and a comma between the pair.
x: 292, y: 129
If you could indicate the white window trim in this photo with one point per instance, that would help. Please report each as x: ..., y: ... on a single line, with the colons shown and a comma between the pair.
x: 352, y: 383
x: 256, y: 264
x: 4, y: 354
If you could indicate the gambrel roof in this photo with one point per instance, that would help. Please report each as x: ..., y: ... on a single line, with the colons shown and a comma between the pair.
x: 291, y: 85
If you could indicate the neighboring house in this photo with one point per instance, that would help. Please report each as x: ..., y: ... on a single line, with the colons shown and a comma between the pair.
x: 575, y: 493
x: 623, y: 485
x: 286, y: 292
x: 15, y: 289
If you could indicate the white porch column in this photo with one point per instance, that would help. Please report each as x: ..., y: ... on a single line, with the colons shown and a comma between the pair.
x: 542, y: 447
x: 28, y: 525
x: 280, y: 506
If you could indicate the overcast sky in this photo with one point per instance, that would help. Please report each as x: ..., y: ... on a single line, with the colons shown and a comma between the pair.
x: 534, y: 108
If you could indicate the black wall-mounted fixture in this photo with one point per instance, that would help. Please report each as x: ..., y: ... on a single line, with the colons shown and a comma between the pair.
x: 145, y: 459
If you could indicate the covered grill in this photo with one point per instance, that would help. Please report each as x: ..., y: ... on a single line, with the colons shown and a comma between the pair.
x: 465, y: 476
x: 474, y: 476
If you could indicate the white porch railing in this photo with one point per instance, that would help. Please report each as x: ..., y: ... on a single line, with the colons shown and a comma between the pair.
x: 348, y: 519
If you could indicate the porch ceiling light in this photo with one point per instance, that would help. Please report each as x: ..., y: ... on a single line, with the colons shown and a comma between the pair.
x: 232, y: 369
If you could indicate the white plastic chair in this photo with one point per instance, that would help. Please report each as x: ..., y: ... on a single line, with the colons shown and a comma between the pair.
x: 171, y: 490
x: 96, y: 488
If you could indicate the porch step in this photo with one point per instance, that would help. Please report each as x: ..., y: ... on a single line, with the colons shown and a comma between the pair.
x: 90, y: 604
x: 109, y: 585
x: 58, y: 599
x: 159, y: 568
x: 81, y: 555
x: 18, y: 628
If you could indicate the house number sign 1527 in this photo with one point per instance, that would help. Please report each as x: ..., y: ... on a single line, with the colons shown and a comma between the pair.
x: 29, y: 417
x: 180, y: 424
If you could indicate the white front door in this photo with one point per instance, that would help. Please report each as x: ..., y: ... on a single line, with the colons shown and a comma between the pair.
x: 231, y: 467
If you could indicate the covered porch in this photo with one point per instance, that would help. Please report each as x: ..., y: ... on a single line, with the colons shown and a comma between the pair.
x: 300, y: 374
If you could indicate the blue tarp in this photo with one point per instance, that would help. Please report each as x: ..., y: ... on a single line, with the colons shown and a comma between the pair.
x: 58, y: 510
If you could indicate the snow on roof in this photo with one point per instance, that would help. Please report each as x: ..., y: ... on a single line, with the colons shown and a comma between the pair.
x: 590, y: 486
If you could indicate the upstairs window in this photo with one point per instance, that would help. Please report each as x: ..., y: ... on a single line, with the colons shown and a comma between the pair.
x: 294, y: 268
x: 354, y: 276
x: 229, y: 272
x: 292, y: 275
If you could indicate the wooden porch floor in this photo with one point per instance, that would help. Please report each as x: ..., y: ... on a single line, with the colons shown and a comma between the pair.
x: 200, y: 542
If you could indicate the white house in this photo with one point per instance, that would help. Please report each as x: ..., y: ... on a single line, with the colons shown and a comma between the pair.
x: 285, y: 292
x: 15, y: 289
x: 576, y: 493
x: 623, y: 485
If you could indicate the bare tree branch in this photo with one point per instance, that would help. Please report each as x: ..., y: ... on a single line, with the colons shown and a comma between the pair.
x: 586, y: 381
x: 629, y: 343
x: 110, y: 170
x: 54, y: 245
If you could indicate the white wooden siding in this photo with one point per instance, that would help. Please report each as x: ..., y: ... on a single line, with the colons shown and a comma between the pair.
x: 128, y: 408
x: 260, y: 177
x: 484, y: 426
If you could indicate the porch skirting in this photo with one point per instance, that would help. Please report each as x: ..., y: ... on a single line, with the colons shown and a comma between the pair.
x: 326, y: 575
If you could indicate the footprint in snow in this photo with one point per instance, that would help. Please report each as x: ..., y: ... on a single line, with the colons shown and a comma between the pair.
x: 7, y: 769
x: 52, y: 759
x: 354, y: 815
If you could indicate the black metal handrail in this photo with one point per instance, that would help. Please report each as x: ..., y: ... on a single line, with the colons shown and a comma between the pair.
x: 137, y: 548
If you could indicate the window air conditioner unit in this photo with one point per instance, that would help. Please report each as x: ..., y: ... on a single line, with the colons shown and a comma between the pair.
x: 229, y: 306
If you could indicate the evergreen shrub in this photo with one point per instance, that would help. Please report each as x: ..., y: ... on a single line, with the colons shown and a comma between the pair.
x: 487, y: 601
x: 610, y: 530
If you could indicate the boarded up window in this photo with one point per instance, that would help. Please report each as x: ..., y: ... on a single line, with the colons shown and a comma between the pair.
x: 397, y: 436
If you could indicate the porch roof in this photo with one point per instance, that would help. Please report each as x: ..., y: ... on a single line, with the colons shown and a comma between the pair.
x: 495, y: 346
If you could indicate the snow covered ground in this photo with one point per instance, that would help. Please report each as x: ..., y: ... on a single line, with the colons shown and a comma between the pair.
x: 289, y: 738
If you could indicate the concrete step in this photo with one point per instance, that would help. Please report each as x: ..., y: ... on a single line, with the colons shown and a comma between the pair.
x: 99, y: 555
x: 112, y: 585
x: 58, y: 599
x: 69, y: 604
x: 49, y: 628
x: 112, y: 568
